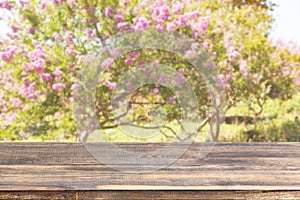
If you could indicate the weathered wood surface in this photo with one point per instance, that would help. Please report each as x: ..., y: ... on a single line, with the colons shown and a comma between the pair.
x: 231, y: 170
x: 137, y: 195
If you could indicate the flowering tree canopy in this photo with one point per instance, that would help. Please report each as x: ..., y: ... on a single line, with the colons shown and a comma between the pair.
x: 48, y: 41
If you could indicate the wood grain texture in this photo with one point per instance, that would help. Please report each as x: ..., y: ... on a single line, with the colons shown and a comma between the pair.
x: 239, y: 170
x: 40, y: 195
x: 189, y: 195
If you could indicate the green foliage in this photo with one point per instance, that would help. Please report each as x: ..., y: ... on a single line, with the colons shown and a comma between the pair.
x: 48, y: 45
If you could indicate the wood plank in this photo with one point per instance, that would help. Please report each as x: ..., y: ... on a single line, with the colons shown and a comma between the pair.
x: 140, y: 194
x: 229, y: 167
x: 40, y: 195
x: 189, y: 195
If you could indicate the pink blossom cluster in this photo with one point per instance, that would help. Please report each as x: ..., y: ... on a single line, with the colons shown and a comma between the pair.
x: 5, y: 4
x: 8, y: 53
x: 46, y: 77
x: 31, y: 30
x: 141, y: 23
x: 155, y: 91
x: 37, y: 58
x: 233, y: 55
x: 124, y: 26
x: 243, y: 67
x: 109, y: 11
x: 15, y: 28
x: 297, y: 81
x: 200, y: 27
x: 57, y: 37
x: 108, y: 63
x: 160, y: 14
x: 16, y: 102
x: 170, y: 100
x: 119, y: 18
x: 90, y: 34
x: 27, y: 90
x: 58, y: 87
x: 56, y: 2
x: 132, y: 57
x: 110, y: 85
x: 180, y: 78
x: 8, y: 117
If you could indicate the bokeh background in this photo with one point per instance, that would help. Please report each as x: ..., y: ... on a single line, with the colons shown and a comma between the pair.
x: 254, y: 44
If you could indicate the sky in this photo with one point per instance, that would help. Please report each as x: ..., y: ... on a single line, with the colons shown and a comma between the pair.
x: 286, y: 27
x: 287, y: 24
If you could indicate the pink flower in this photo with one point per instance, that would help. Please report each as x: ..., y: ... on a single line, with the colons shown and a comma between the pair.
x: 141, y: 23
x: 46, y: 77
x: 193, y: 14
x: 8, y: 53
x: 155, y: 91
x: 110, y: 85
x: 58, y: 87
x: 70, y: 51
x: 184, y: 20
x: 38, y: 52
x: 22, y: 133
x: 286, y: 71
x: 123, y: 26
x: 109, y: 11
x: 172, y: 26
x: 79, y: 58
x: 180, y: 79
x: 297, y: 81
x: 191, y: 54
x: 201, y: 27
x: 159, y: 28
x: 222, y: 79
x: 56, y: 2
x: 135, y: 55
x: 129, y: 61
x: 58, y: 73
x: 28, y: 90
x: 5, y: 4
x: 155, y: 62
x: 90, y: 34
x: 72, y: 3
x: 233, y: 55
x: 205, y: 45
x: 108, y: 63
x: 16, y: 102
x: 243, y: 67
x: 160, y: 14
x: 38, y: 65
x: 68, y: 37
x: 181, y: 70
x: 6, y: 56
x: 57, y: 37
x: 119, y: 18
x: 44, y: 4
x: 11, y: 117
x: 178, y: 7
x: 15, y: 28
x: 74, y: 86
x: 204, y: 22
x: 170, y: 100
x: 26, y: 82
x: 116, y: 52
x: 163, y: 79
x: 141, y: 63
x: 24, y: 2
x: 31, y: 30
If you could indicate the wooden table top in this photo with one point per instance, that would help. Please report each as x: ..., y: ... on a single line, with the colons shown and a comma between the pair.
x: 69, y: 171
